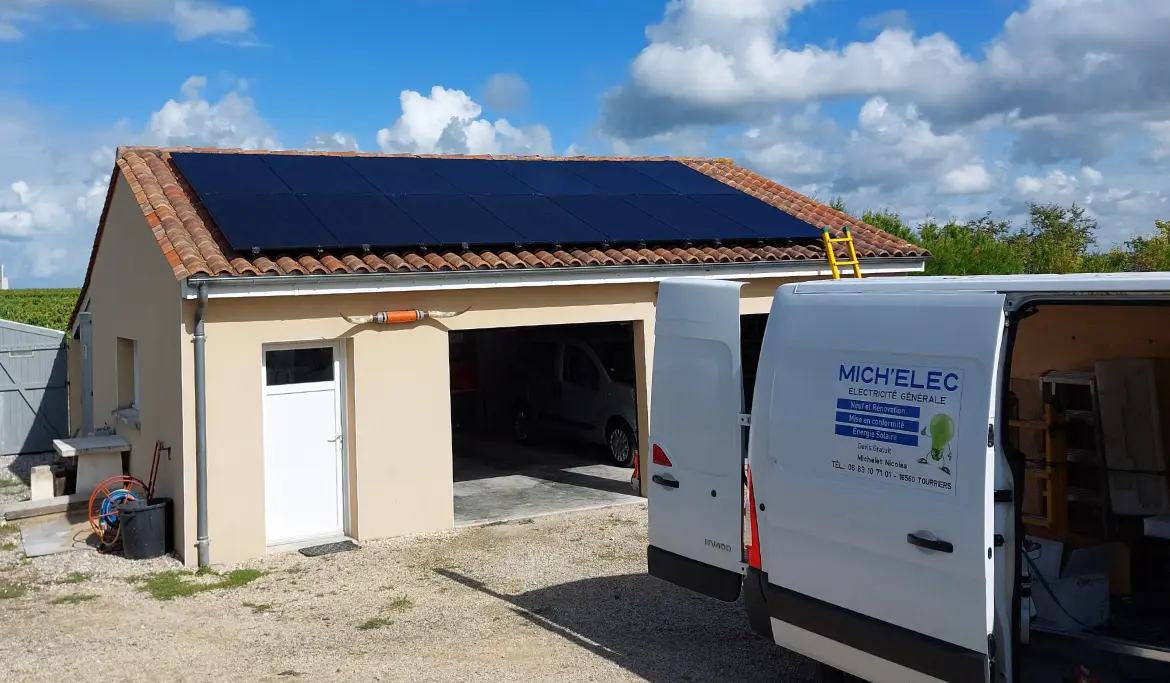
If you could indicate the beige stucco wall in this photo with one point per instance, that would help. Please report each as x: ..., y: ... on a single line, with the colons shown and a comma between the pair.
x: 133, y: 294
x: 399, y: 441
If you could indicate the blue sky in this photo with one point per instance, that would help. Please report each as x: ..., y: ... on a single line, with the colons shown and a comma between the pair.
x: 349, y: 75
x: 926, y: 108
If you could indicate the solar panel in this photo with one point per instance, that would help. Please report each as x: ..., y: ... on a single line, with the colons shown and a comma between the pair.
x: 547, y: 177
x: 614, y: 177
x: 764, y: 219
x: 318, y: 173
x: 215, y: 172
x: 689, y: 218
x: 617, y: 219
x: 680, y: 177
x: 400, y: 176
x: 540, y: 221
x: 475, y: 176
x: 456, y: 219
x: 267, y: 222
x: 363, y: 219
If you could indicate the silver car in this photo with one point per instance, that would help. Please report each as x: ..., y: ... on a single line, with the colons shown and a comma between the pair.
x: 580, y: 389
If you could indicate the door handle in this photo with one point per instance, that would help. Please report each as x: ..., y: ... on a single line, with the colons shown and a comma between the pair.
x: 334, y: 439
x: 930, y: 543
x: 663, y: 481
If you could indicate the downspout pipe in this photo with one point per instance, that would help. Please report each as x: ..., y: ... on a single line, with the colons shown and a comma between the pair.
x: 200, y: 340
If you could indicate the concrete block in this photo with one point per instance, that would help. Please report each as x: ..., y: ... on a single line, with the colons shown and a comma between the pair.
x: 41, y: 483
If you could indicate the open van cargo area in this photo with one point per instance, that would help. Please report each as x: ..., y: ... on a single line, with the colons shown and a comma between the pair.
x: 1089, y: 418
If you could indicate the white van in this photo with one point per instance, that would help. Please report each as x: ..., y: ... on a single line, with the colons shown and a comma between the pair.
x: 887, y: 452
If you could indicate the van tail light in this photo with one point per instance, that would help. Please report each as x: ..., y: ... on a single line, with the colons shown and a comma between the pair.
x: 658, y: 456
x: 753, y: 549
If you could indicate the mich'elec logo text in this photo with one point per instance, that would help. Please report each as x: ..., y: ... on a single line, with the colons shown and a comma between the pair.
x: 907, y: 378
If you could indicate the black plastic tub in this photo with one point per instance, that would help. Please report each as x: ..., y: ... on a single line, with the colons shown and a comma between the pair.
x: 146, y: 528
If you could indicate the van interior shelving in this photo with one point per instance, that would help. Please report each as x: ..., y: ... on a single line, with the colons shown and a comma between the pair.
x: 1088, y: 406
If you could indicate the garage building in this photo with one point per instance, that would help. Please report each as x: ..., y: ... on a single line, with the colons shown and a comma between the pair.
x: 214, y: 322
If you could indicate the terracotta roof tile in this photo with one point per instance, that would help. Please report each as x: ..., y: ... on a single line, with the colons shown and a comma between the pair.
x: 194, y: 245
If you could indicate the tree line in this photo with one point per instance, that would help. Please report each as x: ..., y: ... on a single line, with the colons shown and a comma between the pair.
x: 1054, y: 239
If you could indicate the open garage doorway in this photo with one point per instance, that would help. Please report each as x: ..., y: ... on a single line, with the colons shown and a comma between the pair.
x: 751, y: 339
x: 544, y: 420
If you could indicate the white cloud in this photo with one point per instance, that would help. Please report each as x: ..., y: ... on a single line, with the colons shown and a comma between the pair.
x: 48, y: 262
x: 196, y: 122
x: 449, y: 122
x: 332, y: 142
x: 1069, y: 101
x: 1074, y: 71
x: 505, y: 92
x: 54, y: 175
x: 190, y: 19
x: 967, y: 179
x: 193, y: 20
x: 53, y: 178
x: 895, y: 18
x: 9, y: 32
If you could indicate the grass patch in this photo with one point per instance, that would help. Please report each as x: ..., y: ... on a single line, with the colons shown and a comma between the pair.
x: 11, y: 591
x: 73, y: 578
x: 8, y: 546
x: 402, y: 604
x: 6, y: 528
x: 9, y: 483
x: 178, y: 584
x: 375, y: 623
x: 75, y: 599
x: 258, y: 608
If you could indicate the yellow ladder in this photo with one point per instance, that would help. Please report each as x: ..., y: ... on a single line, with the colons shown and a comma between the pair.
x: 832, y: 256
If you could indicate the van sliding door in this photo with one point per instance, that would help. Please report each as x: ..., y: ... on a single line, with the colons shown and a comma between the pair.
x: 873, y: 480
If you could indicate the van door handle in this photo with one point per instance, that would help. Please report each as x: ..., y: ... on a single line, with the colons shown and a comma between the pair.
x: 663, y: 481
x: 930, y: 543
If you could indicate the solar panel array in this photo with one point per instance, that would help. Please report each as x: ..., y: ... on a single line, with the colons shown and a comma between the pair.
x: 267, y: 202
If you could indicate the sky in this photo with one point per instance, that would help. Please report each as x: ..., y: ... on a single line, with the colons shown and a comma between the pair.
x: 934, y: 110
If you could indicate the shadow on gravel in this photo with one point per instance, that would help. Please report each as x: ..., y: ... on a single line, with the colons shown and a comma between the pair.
x: 657, y: 631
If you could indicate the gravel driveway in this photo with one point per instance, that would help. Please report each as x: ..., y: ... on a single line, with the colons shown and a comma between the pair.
x: 562, y: 598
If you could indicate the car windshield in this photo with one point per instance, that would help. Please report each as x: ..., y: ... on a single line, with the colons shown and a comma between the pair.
x: 617, y: 359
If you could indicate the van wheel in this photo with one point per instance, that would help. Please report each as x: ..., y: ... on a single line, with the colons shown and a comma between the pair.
x: 827, y: 674
x: 522, y: 424
x: 620, y: 439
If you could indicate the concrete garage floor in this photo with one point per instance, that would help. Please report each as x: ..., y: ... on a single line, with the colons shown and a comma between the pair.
x: 498, y: 479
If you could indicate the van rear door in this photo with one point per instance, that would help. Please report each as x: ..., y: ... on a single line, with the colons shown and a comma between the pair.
x: 696, y: 460
x: 873, y: 477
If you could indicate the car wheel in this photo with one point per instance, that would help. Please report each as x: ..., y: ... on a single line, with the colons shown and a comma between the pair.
x: 622, y: 445
x: 522, y: 425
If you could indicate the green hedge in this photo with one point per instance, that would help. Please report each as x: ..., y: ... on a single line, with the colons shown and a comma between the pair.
x: 49, y: 308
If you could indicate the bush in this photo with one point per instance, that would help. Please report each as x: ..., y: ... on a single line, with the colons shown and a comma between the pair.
x: 49, y: 308
x: 1055, y: 239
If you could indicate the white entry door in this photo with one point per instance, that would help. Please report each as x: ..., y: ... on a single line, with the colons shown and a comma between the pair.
x: 304, y: 475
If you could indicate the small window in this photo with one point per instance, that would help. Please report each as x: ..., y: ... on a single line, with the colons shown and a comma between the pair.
x: 126, y: 365
x: 580, y: 369
x: 298, y: 366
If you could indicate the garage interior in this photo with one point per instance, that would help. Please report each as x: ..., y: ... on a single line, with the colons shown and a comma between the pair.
x: 534, y: 413
x: 751, y: 339
x: 1089, y: 414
